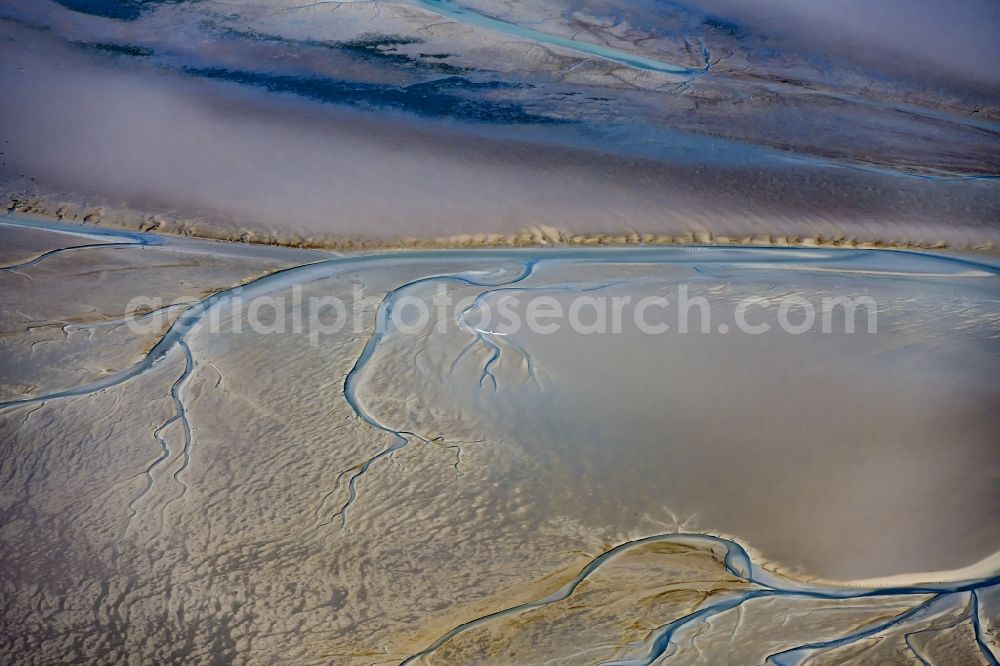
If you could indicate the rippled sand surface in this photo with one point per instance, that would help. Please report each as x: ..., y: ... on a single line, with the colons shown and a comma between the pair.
x: 200, y: 492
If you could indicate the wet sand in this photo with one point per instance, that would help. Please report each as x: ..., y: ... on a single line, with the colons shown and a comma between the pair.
x: 468, y: 497
x: 198, y: 465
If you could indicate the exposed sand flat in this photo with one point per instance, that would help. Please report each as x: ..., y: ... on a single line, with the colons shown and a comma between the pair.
x: 499, y: 332
x: 28, y: 247
x: 472, y: 495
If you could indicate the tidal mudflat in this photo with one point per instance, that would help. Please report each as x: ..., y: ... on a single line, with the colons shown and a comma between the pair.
x: 199, y: 465
x: 439, y: 122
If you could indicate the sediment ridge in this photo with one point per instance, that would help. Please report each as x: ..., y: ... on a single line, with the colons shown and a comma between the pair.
x: 852, y: 235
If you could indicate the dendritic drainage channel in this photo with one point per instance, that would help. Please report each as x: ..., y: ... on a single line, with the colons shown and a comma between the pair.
x: 513, y: 268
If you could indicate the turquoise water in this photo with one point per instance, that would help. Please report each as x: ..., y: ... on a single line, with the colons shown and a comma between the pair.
x: 451, y: 9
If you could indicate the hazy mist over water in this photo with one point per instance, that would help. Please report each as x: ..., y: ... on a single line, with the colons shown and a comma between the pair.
x: 939, y: 39
x: 434, y: 119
